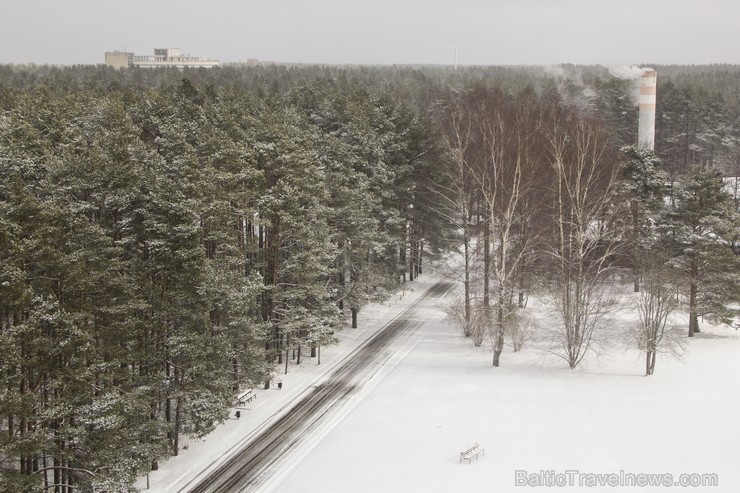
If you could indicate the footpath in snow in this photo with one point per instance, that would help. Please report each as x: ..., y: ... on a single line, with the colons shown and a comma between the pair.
x: 200, y: 456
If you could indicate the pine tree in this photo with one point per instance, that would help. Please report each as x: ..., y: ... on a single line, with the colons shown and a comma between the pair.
x: 701, y: 228
x: 642, y: 186
x: 295, y: 214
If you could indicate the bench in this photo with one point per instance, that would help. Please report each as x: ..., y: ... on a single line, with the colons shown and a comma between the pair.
x: 246, y: 397
x: 472, y: 453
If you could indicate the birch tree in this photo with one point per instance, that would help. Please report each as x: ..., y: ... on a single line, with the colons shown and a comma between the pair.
x: 584, y: 241
x: 513, y: 160
x: 655, y: 303
x: 456, y: 189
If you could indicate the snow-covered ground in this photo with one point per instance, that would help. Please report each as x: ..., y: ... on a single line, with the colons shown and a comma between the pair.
x: 202, y: 455
x: 437, y: 395
x: 440, y: 395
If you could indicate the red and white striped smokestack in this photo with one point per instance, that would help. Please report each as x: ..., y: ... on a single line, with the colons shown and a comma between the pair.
x: 646, y: 130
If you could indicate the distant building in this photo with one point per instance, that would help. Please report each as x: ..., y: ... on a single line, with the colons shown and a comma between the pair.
x: 163, y: 57
x: 255, y: 61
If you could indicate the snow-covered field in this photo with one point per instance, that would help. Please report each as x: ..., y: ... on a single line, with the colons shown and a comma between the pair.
x: 437, y: 395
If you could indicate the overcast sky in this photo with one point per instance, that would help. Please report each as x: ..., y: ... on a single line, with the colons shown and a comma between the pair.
x: 493, y: 32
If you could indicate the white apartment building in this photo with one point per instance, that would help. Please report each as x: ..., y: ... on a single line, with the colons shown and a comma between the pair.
x: 163, y: 57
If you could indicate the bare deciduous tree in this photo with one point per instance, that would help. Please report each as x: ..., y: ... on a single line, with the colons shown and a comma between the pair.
x: 457, y: 192
x: 495, y: 173
x: 521, y: 330
x: 474, y: 322
x: 584, y: 241
x: 655, y: 302
x: 507, y: 182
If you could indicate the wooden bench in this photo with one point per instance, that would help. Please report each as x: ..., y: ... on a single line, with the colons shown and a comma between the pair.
x: 472, y: 453
x: 246, y: 397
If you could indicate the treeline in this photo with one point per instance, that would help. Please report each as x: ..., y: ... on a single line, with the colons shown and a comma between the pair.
x: 697, y: 115
x: 698, y: 106
x: 164, y: 248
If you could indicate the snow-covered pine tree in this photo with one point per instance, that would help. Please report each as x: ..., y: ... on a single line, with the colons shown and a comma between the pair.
x: 294, y: 208
x: 700, y: 229
x: 643, y: 186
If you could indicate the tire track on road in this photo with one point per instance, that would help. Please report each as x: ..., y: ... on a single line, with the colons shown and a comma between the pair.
x: 248, y: 466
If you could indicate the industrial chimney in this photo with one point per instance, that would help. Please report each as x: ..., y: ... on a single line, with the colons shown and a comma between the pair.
x: 646, y: 130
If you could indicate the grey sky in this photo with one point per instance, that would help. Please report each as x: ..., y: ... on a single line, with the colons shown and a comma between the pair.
x: 607, y: 32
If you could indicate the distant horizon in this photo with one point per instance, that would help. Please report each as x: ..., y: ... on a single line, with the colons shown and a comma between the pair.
x: 420, y: 64
x: 383, y: 32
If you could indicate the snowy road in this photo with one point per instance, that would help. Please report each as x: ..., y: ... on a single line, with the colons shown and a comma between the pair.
x: 258, y: 458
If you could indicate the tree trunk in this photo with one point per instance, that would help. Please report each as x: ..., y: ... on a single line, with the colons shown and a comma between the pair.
x: 342, y: 282
x: 57, y: 477
x: 176, y: 444
x: 65, y: 477
x: 486, y: 262
x: 402, y: 258
x: 693, y: 319
x: 412, y: 254
x: 498, y: 347
x: 694, y: 322
x: 498, y: 340
x: 648, y: 358
x: 46, y: 473
x: 635, y: 209
x: 466, y: 248
x: 419, y: 260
